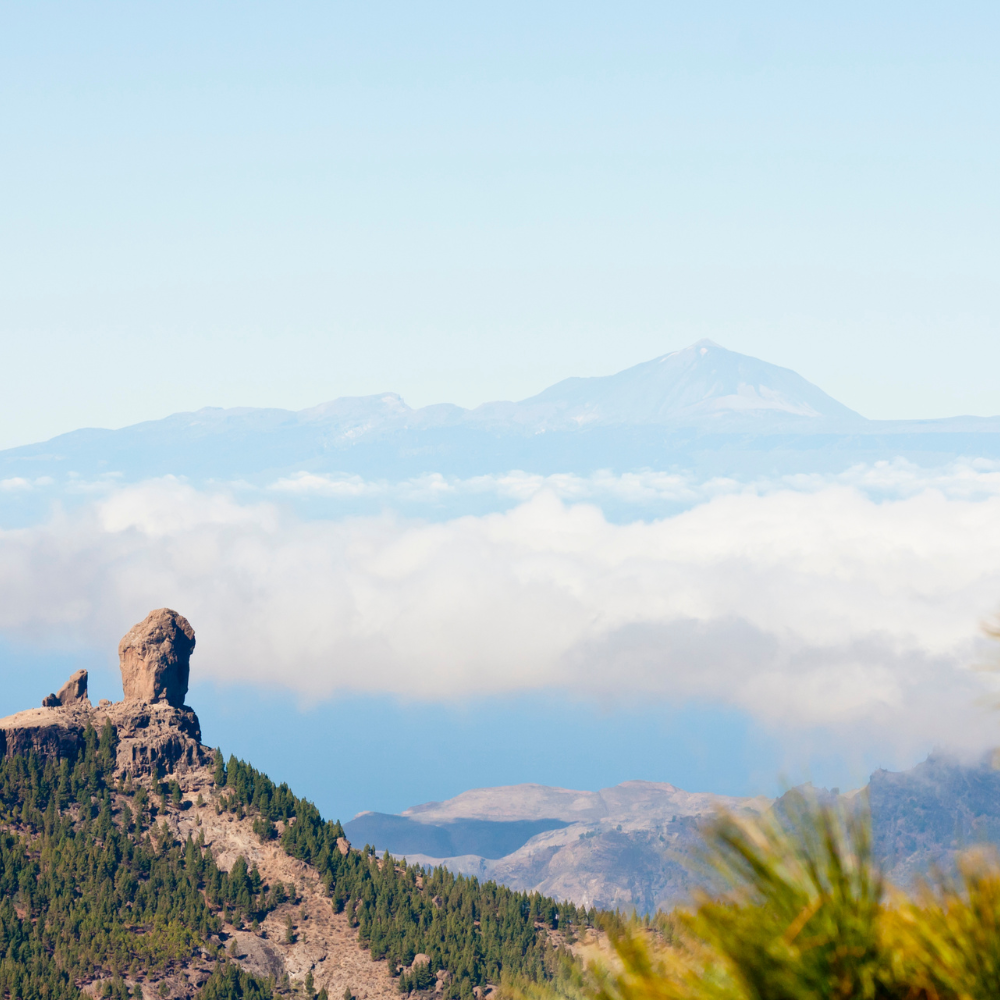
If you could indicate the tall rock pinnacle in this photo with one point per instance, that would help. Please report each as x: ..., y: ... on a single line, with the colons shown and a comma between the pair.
x: 155, y: 657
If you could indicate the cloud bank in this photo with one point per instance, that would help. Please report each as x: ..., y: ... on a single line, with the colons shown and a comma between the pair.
x: 962, y: 479
x: 817, y: 606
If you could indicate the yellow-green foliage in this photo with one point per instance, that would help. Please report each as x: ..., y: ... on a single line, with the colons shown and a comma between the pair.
x: 807, y: 918
x: 947, y: 942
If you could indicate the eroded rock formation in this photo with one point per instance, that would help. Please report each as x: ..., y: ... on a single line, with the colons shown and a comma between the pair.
x: 156, y: 731
x: 73, y: 692
x: 155, y: 737
x: 155, y: 658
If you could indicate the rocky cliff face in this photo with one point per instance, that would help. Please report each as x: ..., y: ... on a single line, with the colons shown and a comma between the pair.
x: 636, y: 845
x: 156, y: 731
x: 627, y: 846
x: 922, y: 818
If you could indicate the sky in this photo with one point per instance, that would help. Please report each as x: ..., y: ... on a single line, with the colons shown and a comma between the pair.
x: 272, y: 206
x: 264, y: 205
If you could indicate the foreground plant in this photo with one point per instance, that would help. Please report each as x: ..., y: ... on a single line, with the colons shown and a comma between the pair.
x: 802, y: 918
x: 807, y: 917
x: 946, y: 943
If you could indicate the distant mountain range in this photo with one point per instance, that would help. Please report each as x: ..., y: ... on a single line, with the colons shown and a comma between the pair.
x: 636, y: 845
x: 703, y: 408
x: 626, y: 846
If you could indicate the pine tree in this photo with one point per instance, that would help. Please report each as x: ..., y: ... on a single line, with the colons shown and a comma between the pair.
x: 220, y: 769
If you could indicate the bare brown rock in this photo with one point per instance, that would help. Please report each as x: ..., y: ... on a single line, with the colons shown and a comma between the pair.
x: 151, y: 738
x: 325, y: 944
x: 156, y: 732
x: 74, y: 690
x: 45, y: 732
x: 155, y: 737
x: 155, y: 658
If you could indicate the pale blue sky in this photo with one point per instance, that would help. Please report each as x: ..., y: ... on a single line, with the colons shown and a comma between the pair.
x: 263, y: 204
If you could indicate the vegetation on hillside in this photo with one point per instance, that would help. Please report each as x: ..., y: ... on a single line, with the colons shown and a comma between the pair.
x: 91, y: 886
x: 478, y: 932
x: 94, y: 886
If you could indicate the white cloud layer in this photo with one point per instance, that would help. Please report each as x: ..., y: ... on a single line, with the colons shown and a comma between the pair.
x: 962, y: 479
x: 808, y: 607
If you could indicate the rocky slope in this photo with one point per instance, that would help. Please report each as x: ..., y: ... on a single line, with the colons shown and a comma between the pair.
x: 924, y: 816
x: 622, y: 847
x: 324, y: 944
x: 636, y: 845
x: 159, y: 736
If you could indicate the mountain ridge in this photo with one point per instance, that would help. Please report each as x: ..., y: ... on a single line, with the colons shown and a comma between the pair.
x: 634, y: 844
x: 714, y: 414
x: 737, y: 387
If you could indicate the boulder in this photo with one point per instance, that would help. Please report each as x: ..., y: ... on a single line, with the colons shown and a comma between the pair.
x: 155, y: 658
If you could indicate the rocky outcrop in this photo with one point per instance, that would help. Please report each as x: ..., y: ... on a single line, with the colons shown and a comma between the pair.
x: 155, y: 658
x: 157, y: 733
x: 49, y: 732
x: 73, y: 692
x: 155, y: 738
x: 152, y: 739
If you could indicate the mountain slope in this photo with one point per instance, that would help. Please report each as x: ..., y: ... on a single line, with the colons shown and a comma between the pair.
x: 703, y: 408
x: 926, y: 815
x: 130, y: 854
x: 634, y: 845
x: 702, y: 385
x: 622, y: 847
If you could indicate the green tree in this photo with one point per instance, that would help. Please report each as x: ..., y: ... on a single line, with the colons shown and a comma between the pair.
x: 219, y: 775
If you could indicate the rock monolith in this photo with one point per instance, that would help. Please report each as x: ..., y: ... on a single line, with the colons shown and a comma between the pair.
x: 155, y: 658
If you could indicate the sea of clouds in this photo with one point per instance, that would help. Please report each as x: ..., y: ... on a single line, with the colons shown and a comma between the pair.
x: 853, y: 602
